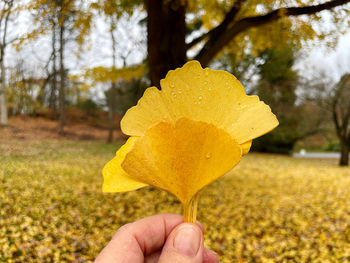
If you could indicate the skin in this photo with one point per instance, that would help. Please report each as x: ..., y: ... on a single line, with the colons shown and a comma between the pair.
x: 159, y: 238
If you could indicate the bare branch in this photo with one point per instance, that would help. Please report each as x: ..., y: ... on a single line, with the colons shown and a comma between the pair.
x: 8, y: 12
x: 12, y: 41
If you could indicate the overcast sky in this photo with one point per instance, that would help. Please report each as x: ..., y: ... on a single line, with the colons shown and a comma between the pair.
x: 334, y: 62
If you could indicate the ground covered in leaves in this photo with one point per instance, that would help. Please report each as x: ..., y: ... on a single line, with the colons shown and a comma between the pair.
x: 269, y: 209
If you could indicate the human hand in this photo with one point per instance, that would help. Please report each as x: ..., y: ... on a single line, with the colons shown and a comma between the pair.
x: 162, y: 238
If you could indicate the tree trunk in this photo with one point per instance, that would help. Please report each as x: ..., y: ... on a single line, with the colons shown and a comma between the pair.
x: 344, y: 154
x: 6, y: 12
x: 3, y: 103
x: 110, y: 112
x: 53, y: 97
x: 111, y: 94
x: 62, y: 91
x: 166, y: 28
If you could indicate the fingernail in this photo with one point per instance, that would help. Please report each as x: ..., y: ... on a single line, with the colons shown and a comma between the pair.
x: 187, y: 240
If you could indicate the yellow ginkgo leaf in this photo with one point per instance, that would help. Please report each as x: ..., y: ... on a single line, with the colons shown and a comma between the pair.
x: 183, y: 157
x: 246, y: 147
x: 214, y: 97
x: 190, y: 133
x: 115, y: 178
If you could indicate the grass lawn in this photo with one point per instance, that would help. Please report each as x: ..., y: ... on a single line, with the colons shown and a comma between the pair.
x: 269, y: 209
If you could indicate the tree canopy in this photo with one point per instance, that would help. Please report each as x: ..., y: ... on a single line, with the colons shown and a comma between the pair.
x: 206, y: 28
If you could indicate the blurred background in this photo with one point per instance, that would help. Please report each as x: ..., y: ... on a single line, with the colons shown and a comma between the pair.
x: 70, y: 70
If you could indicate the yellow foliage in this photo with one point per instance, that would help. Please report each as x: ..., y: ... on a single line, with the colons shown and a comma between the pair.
x: 109, y: 74
x: 50, y: 14
x: 112, y: 8
x: 288, y: 30
x: 269, y: 209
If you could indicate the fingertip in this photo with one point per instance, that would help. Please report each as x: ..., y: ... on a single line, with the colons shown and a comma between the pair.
x: 184, y: 244
x: 188, y: 239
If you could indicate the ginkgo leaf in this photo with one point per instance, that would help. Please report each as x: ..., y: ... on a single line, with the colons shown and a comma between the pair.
x: 183, y: 157
x: 115, y: 178
x: 246, y: 147
x: 190, y: 133
x: 214, y: 97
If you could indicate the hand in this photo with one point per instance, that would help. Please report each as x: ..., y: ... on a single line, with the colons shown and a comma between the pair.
x: 161, y: 238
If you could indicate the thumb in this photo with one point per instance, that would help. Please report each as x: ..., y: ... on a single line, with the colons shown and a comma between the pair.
x: 184, y: 244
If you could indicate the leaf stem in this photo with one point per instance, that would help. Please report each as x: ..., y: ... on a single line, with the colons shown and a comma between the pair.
x: 190, y: 210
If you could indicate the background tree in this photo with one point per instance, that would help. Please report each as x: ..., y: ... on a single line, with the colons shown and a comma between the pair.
x: 112, y: 13
x: 6, y: 11
x: 278, y: 88
x: 65, y: 21
x: 332, y: 98
x: 340, y: 107
x: 126, y: 86
x: 24, y: 88
x: 227, y: 24
x: 112, y: 17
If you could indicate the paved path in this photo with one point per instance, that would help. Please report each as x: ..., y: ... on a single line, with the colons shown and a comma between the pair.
x: 324, y: 155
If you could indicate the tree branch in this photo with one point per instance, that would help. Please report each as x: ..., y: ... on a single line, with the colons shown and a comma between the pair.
x: 307, y: 134
x: 197, y: 40
x: 8, y: 12
x: 213, y: 46
x: 229, y: 18
x: 12, y: 41
x: 3, y: 45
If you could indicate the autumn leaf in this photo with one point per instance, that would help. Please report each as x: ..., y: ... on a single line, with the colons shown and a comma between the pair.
x: 188, y: 134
